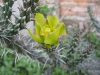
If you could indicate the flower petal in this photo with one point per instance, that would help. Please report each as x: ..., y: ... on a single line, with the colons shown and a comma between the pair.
x: 52, y: 21
x: 40, y: 19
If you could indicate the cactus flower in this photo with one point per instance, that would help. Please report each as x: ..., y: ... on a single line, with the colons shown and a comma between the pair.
x: 47, y: 30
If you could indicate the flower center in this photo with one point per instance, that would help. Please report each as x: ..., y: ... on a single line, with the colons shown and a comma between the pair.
x: 47, y: 31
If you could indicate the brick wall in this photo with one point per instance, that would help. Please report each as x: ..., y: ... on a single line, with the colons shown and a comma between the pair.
x: 74, y: 11
x: 77, y: 9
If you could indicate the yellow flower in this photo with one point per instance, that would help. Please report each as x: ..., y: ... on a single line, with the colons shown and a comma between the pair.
x: 47, y: 30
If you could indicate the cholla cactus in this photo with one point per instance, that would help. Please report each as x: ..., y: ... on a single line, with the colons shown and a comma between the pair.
x: 9, y: 29
x: 7, y: 9
x: 5, y: 24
